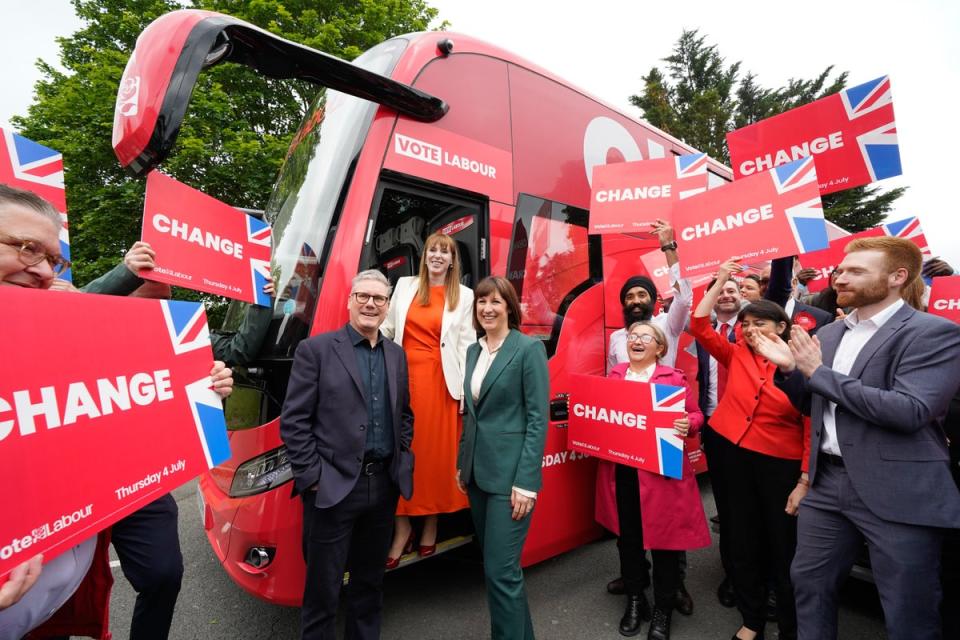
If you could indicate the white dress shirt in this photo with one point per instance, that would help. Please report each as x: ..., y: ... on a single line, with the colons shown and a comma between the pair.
x: 484, y: 360
x: 857, y: 335
x: 671, y: 323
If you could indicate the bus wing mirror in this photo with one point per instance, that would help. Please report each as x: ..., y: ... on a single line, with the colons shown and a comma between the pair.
x: 172, y: 50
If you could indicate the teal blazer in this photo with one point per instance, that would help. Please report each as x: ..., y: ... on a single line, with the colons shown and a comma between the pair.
x: 505, y: 430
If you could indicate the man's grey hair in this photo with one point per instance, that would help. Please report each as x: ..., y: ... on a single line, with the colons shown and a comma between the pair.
x: 29, y: 200
x: 371, y: 274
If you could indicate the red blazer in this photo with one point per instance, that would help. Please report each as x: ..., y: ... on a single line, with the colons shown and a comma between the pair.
x: 753, y: 413
x: 671, y: 510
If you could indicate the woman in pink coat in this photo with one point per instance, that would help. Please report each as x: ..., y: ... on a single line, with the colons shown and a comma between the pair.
x: 658, y: 513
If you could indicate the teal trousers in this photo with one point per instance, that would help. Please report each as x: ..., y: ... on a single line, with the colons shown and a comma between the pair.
x: 501, y: 539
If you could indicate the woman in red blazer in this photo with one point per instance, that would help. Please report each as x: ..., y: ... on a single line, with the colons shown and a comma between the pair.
x: 766, y: 446
x: 656, y: 512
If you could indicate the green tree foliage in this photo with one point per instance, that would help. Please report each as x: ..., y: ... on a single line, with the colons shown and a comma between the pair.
x: 700, y: 98
x: 237, y: 128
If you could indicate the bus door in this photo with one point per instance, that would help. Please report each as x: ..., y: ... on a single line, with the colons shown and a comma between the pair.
x: 405, y: 211
x: 555, y: 268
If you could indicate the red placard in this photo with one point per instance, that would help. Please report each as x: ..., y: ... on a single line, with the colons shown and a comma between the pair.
x: 102, y: 416
x: 627, y: 422
x: 826, y: 260
x: 630, y: 196
x: 770, y: 215
x: 852, y: 134
x: 945, y: 297
x: 204, y: 244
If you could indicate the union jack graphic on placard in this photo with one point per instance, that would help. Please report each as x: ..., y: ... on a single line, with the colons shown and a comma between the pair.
x: 881, y: 152
x: 806, y: 222
x: 869, y: 96
x: 910, y: 229
x: 207, y: 409
x: 258, y: 231
x: 690, y: 166
x: 28, y: 165
x: 186, y: 325
x: 665, y: 397
x: 670, y: 453
x: 792, y: 175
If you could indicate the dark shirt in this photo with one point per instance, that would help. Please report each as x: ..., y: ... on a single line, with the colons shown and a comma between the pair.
x: 373, y: 374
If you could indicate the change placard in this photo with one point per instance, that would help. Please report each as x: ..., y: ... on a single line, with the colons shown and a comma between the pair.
x: 99, y: 415
x: 627, y: 422
x: 204, y: 244
x: 945, y: 297
x: 852, y: 134
x: 774, y: 214
x: 630, y: 196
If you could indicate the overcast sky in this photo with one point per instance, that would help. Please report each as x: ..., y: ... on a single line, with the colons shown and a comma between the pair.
x: 605, y: 46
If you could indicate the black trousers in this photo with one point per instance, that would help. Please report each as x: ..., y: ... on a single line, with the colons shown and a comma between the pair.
x: 148, y: 546
x: 633, y: 562
x: 353, y: 535
x: 763, y: 538
x: 713, y: 449
x: 950, y: 577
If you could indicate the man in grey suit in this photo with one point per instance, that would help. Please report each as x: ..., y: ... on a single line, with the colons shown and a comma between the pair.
x: 876, y: 386
x: 347, y: 426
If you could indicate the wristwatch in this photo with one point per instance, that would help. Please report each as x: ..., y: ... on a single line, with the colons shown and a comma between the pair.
x: 670, y: 246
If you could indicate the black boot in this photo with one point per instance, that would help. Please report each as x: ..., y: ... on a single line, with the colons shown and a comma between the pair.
x: 638, y: 610
x: 660, y: 625
x: 683, y: 603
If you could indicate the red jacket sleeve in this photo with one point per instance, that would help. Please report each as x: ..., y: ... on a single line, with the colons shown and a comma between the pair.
x: 720, y: 348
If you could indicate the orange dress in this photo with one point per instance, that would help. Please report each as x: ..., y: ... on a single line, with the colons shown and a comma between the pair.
x: 436, y: 417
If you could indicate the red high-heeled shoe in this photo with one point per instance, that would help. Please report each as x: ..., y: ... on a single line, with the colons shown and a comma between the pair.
x: 427, y: 550
x: 393, y: 563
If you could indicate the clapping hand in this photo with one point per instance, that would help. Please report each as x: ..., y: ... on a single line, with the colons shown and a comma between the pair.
x: 806, y: 351
x: 775, y: 350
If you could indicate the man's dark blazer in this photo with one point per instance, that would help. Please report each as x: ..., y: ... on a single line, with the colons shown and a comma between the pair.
x: 888, y: 415
x: 324, y: 417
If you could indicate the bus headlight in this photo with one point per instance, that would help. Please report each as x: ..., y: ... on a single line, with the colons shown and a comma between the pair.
x: 262, y: 473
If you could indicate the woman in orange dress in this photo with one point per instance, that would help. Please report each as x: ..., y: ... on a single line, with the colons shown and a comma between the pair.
x: 430, y: 316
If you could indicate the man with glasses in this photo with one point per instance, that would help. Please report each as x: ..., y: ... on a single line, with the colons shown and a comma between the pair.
x: 348, y: 426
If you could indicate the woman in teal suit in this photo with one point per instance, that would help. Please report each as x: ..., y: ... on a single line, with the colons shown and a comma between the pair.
x: 506, y: 395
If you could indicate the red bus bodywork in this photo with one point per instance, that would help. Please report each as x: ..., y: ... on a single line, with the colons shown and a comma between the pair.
x: 521, y: 143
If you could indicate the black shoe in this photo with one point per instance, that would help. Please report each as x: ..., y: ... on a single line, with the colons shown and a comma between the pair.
x: 615, y: 587
x: 683, y: 603
x: 770, y: 609
x: 725, y: 594
x: 660, y: 625
x: 638, y: 610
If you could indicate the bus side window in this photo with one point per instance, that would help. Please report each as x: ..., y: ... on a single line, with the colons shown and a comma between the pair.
x: 552, y: 259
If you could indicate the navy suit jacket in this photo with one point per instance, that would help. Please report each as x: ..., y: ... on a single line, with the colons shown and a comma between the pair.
x: 780, y: 288
x: 888, y: 415
x: 324, y: 417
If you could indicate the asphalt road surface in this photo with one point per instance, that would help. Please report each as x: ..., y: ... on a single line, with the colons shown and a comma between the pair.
x: 443, y: 598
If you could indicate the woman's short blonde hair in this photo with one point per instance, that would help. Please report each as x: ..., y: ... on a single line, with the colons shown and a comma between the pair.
x: 658, y: 335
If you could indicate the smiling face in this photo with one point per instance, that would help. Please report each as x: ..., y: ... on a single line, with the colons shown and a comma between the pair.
x: 17, y: 225
x: 637, y: 305
x: 643, y: 346
x: 492, y: 313
x: 439, y: 259
x: 862, y: 279
x: 366, y: 317
x: 750, y: 290
x: 729, y: 300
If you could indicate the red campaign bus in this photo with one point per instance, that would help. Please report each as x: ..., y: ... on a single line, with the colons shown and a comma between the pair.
x: 424, y: 132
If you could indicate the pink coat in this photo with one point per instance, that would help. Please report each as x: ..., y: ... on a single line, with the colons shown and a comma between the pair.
x: 672, y: 512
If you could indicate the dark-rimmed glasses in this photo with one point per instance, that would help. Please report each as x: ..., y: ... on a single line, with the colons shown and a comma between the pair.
x: 364, y: 298
x: 645, y: 338
x: 31, y: 254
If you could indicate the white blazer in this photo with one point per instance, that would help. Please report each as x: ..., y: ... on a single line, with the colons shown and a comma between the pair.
x: 456, y: 329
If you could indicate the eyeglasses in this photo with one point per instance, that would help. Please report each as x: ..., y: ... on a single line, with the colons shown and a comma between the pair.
x: 31, y: 254
x: 645, y: 338
x: 364, y: 298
